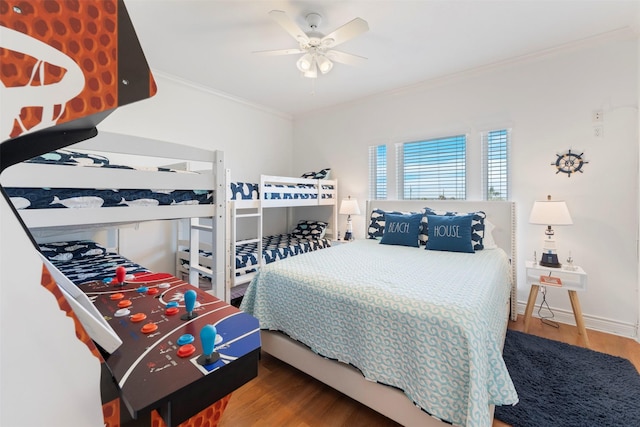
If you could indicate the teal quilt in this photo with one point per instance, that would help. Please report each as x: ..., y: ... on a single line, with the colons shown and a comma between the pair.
x: 430, y: 323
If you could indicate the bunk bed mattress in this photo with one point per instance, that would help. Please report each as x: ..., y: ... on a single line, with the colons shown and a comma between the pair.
x: 47, y: 198
x: 427, y: 322
x: 83, y: 261
x: 279, y: 246
x: 251, y: 191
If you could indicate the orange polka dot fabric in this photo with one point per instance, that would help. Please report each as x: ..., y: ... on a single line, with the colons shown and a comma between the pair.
x: 209, y: 417
x: 85, y: 31
x: 111, y: 413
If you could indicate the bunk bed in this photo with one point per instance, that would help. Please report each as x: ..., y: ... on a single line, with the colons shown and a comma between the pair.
x: 99, y: 195
x: 414, y: 334
x: 248, y: 200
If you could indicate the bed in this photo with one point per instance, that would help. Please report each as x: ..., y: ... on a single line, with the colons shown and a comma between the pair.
x: 86, y: 189
x: 246, y: 200
x: 364, y: 316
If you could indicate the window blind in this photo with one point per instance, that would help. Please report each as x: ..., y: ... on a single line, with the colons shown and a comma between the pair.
x: 432, y: 169
x: 495, y: 161
x: 378, y: 172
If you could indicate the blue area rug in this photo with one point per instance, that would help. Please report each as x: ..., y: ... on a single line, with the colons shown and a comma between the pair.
x: 564, y: 385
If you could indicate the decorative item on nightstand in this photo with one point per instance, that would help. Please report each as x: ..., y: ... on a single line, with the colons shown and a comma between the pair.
x: 550, y: 213
x: 349, y: 207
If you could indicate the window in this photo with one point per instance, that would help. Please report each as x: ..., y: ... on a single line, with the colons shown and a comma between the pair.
x: 378, y: 172
x: 432, y: 169
x: 495, y: 161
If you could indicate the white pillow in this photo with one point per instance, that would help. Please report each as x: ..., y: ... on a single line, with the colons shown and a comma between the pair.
x: 488, y: 241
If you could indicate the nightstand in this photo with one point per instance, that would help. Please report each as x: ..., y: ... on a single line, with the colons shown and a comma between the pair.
x: 572, y: 281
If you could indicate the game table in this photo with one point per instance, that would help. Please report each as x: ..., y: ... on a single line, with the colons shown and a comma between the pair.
x: 183, y: 350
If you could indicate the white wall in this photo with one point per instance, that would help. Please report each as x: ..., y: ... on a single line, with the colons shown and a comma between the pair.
x: 49, y: 377
x: 254, y: 140
x: 548, y: 101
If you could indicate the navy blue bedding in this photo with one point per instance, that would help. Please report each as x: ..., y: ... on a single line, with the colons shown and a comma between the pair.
x: 47, y: 198
x: 84, y: 260
x: 274, y: 247
x: 250, y: 191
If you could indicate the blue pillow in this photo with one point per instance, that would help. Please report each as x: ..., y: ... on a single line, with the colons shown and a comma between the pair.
x: 450, y: 233
x: 477, y: 226
x: 401, y: 229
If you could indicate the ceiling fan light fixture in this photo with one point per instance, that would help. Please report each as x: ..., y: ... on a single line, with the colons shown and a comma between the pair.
x: 324, y: 64
x: 312, y: 73
x: 305, y: 63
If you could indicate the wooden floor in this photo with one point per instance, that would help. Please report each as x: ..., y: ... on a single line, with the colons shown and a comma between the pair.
x: 283, y: 396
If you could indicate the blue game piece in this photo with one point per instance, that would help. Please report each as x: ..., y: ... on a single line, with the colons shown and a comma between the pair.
x: 172, y: 304
x: 185, y: 339
x: 142, y: 289
x: 208, y: 337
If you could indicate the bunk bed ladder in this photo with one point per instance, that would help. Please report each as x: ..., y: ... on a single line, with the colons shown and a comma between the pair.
x: 240, y: 211
x: 216, y: 232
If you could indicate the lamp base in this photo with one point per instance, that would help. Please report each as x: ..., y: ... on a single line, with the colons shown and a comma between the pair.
x: 550, y: 260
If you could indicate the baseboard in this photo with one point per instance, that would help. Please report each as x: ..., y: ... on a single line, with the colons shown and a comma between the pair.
x: 609, y: 326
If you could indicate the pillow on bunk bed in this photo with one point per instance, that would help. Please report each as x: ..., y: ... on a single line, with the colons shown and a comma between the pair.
x: 477, y: 225
x: 310, y: 230
x: 377, y: 223
x: 72, y: 250
x: 401, y: 229
x: 450, y: 233
x: 322, y: 174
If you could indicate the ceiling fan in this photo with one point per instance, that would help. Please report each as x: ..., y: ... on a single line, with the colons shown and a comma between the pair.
x: 317, y: 49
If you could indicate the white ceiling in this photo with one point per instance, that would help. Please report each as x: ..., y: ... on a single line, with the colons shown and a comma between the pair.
x: 210, y: 42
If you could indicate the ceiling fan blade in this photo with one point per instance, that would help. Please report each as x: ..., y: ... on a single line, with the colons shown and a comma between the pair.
x: 279, y: 52
x: 289, y: 26
x: 345, y: 58
x: 348, y: 31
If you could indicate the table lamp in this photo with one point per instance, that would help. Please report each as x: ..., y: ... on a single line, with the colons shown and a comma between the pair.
x: 349, y: 207
x: 550, y: 212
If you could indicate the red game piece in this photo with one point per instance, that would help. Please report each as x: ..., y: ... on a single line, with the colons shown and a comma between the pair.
x: 121, y: 273
x: 152, y: 291
x: 171, y: 311
x: 138, y: 317
x: 117, y: 296
x: 124, y: 303
x: 148, y: 328
x: 186, y: 350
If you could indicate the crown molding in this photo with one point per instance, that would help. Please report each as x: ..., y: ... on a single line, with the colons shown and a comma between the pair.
x: 220, y: 94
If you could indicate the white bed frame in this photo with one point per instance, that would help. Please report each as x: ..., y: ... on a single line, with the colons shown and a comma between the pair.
x: 390, y: 401
x: 42, y: 175
x: 237, y: 209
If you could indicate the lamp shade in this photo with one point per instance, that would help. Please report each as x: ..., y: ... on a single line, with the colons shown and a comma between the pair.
x: 349, y: 207
x: 550, y: 212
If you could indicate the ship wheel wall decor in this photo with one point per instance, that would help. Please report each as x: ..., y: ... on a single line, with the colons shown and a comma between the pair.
x: 569, y: 163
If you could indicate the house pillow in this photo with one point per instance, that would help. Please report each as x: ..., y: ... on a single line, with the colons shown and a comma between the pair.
x: 401, y: 229
x: 72, y: 250
x: 377, y: 222
x: 310, y: 230
x: 450, y: 233
x: 477, y: 225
